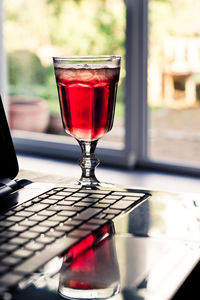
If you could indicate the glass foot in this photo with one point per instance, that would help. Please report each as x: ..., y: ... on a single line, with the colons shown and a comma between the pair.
x: 103, y: 293
x: 97, y: 186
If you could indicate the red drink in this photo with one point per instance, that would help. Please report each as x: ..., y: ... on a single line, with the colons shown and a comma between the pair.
x: 87, y: 100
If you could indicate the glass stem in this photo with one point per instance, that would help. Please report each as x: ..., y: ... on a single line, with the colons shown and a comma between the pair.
x: 88, y: 163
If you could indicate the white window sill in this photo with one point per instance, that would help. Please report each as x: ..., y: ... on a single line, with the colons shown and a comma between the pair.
x: 129, y: 178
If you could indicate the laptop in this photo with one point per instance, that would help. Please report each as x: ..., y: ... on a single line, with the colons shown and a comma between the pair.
x: 41, y: 223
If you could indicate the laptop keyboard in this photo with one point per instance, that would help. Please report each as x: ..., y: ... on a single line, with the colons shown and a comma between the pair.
x: 38, y: 230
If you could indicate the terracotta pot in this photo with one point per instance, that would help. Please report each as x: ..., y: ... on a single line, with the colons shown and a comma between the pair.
x: 28, y: 114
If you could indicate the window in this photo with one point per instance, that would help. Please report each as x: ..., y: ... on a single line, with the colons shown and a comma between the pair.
x: 156, y: 126
x: 173, y: 83
x: 35, y: 33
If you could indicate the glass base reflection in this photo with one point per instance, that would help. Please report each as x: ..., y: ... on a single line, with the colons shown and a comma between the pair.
x: 99, y: 293
x: 90, y: 269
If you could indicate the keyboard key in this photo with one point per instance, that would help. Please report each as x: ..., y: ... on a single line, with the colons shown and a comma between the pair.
x: 83, y: 204
x: 79, y: 194
x: 72, y: 222
x: 96, y: 196
x: 24, y: 214
x: 49, y: 201
x: 38, y: 217
x: 38, y: 199
x: 112, y: 211
x: 65, y: 194
x: 55, y: 234
x: 53, y: 208
x: 70, y: 208
x: 66, y: 213
x: 9, y: 213
x: 56, y: 197
x: 28, y: 235
x: 27, y: 223
x: 39, y: 229
x: 46, y: 254
x: 73, y: 198
x: 16, y: 218
x: 34, y: 246
x: 17, y: 228
x: 18, y: 241
x: 45, y: 240
x: 6, y: 223
x: 108, y: 201
x: 101, y: 205
x: 90, y: 200
x: 27, y: 204
x: 87, y: 214
x: 101, y: 216
x: 10, y: 261
x: 43, y: 196
x: 46, y: 213
x: 36, y: 207
x: 10, y: 279
x: 18, y: 208
x: 64, y: 228
x: 58, y: 218
x: 48, y: 223
x: 9, y: 234
x: 52, y: 192
x: 122, y: 204
x: 8, y: 247
x: 113, y: 197
x: 23, y: 253
x: 66, y: 202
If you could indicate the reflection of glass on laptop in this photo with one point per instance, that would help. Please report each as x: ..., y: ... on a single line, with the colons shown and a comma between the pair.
x: 94, y: 273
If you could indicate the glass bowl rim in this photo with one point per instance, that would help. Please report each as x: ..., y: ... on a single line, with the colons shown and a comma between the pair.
x: 87, y: 58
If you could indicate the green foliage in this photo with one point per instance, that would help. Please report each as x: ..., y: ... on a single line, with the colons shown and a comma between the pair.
x: 25, y: 67
x: 87, y: 26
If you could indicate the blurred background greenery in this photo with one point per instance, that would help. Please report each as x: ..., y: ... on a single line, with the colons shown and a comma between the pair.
x: 36, y: 32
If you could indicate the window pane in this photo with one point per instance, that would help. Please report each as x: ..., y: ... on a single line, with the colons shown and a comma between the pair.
x: 36, y: 31
x: 174, y: 81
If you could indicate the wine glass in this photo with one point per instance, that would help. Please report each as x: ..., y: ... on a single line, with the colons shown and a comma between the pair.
x: 87, y: 88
